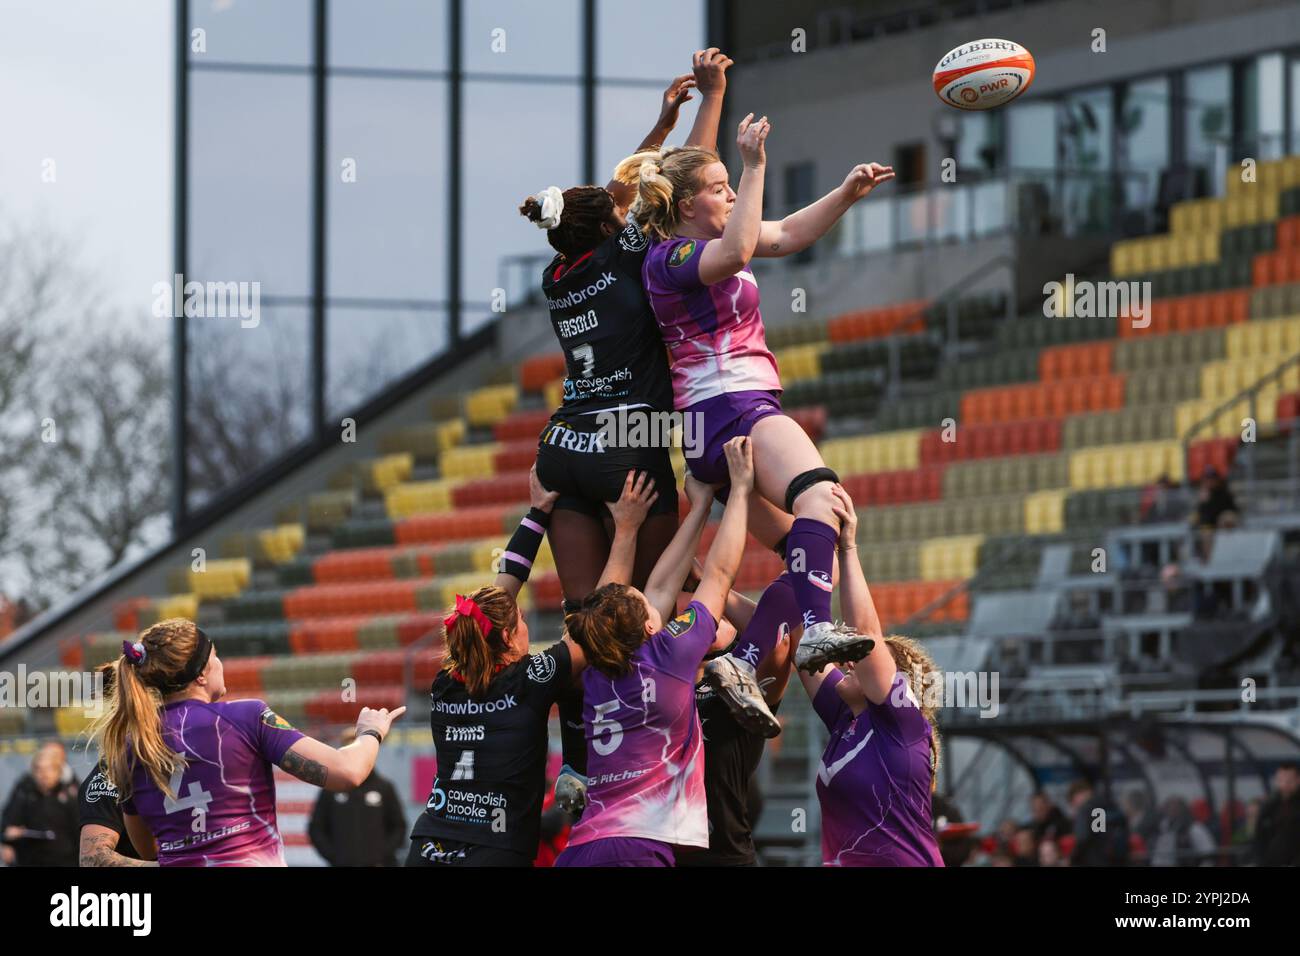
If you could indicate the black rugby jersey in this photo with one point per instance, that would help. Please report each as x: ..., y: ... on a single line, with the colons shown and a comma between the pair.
x: 731, y: 755
x: 97, y: 803
x: 492, y: 754
x: 613, y: 351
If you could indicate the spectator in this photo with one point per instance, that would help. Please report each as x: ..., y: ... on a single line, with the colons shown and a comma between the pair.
x: 39, y: 825
x: 1160, y: 502
x: 1277, y: 832
x: 1100, y: 839
x: 1025, y: 850
x: 1143, y: 818
x: 1215, y: 506
x: 1006, y: 836
x: 1180, y: 839
x: 1049, y: 854
x: 361, y: 827
x: 1049, y: 822
x: 955, y: 847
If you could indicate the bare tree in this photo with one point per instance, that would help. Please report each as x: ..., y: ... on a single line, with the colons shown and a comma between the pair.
x: 83, y: 426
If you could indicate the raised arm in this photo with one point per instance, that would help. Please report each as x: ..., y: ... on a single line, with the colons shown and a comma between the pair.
x: 678, y: 92
x: 723, y: 560
x: 801, y: 229
x: 724, y: 257
x: 875, y: 672
x: 710, y: 68
x: 516, y: 561
x: 629, y: 513
x: 344, y: 768
x: 665, y: 581
x: 739, y: 610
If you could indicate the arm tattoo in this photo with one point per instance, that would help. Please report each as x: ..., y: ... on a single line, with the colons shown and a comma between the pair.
x: 100, y: 849
x: 308, y: 771
x: 775, y: 246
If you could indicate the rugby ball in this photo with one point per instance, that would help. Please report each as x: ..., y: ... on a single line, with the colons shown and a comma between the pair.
x: 983, y: 74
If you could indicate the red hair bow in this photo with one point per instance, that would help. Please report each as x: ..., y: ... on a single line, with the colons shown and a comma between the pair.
x: 467, y: 608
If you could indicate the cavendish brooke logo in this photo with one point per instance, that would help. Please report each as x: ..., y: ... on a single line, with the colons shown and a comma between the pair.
x: 77, y: 909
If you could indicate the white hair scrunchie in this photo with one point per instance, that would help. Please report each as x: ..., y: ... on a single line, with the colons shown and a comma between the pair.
x: 552, y: 202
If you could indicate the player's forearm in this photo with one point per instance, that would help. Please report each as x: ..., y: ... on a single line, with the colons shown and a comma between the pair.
x: 728, y: 547
x: 622, y: 557
x: 673, y: 565
x: 802, y: 228
x: 740, y: 237
x: 99, y: 850
x: 704, y: 131
x: 739, y: 610
x: 855, y: 595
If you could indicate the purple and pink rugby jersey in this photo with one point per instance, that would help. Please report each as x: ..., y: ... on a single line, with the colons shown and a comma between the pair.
x: 223, y: 813
x: 714, y: 333
x: 645, y: 751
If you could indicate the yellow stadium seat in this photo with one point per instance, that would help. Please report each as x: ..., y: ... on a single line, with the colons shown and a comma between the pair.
x: 178, y: 605
x: 420, y: 497
x: 487, y: 406
x: 1045, y: 511
x: 469, y: 461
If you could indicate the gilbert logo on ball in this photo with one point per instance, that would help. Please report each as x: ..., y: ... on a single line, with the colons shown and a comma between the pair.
x: 983, y: 74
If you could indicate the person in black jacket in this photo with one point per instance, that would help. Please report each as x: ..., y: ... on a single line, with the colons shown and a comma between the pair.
x: 39, y: 823
x: 1100, y: 839
x: 1049, y: 822
x: 103, y: 837
x: 362, y: 827
x: 1277, y: 834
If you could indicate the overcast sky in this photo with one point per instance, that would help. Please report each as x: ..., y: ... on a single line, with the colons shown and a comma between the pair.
x: 88, y: 84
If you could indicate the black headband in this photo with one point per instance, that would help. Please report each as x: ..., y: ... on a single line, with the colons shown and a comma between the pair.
x: 193, y: 667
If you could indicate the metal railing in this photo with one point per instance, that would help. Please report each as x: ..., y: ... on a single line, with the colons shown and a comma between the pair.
x: 1250, y: 395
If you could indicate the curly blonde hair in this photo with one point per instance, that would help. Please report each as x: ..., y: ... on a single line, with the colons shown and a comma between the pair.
x: 926, y: 682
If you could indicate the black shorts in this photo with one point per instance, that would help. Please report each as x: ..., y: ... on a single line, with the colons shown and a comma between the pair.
x: 575, y: 459
x: 433, y: 851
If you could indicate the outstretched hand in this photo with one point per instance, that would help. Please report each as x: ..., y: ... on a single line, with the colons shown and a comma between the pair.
x: 678, y: 92
x: 751, y: 134
x: 865, y: 177
x: 710, y: 68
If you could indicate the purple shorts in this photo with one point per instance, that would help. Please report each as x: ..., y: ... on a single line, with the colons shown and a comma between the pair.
x: 618, y: 851
x: 722, y: 418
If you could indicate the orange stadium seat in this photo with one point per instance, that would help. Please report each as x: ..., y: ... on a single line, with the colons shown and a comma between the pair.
x: 520, y: 425
x: 535, y: 373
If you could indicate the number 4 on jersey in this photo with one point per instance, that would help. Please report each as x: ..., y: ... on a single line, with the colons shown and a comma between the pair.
x: 197, y: 800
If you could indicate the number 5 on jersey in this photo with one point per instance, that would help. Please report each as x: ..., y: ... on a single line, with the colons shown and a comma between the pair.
x: 601, y: 726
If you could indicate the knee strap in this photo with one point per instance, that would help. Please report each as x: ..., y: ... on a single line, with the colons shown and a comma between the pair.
x: 805, y: 481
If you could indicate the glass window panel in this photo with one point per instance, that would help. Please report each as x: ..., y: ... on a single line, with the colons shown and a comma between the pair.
x: 877, y: 224
x: 504, y: 160
x: 1031, y: 137
x: 648, y: 41
x: 1144, y: 139
x: 368, y: 350
x: 1295, y: 106
x: 1262, y: 102
x: 624, y: 114
x: 980, y: 146
x: 1085, y: 133
x: 523, y: 36
x: 250, y: 180
x: 253, y: 31
x: 248, y: 399
x: 387, y: 227
x: 1207, y: 122
x: 392, y: 34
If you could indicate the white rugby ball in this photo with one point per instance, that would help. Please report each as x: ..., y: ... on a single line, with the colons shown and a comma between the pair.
x: 983, y: 74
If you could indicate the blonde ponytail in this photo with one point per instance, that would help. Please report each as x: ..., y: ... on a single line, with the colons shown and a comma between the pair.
x: 926, y: 682
x: 663, y: 178
x: 130, y: 732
